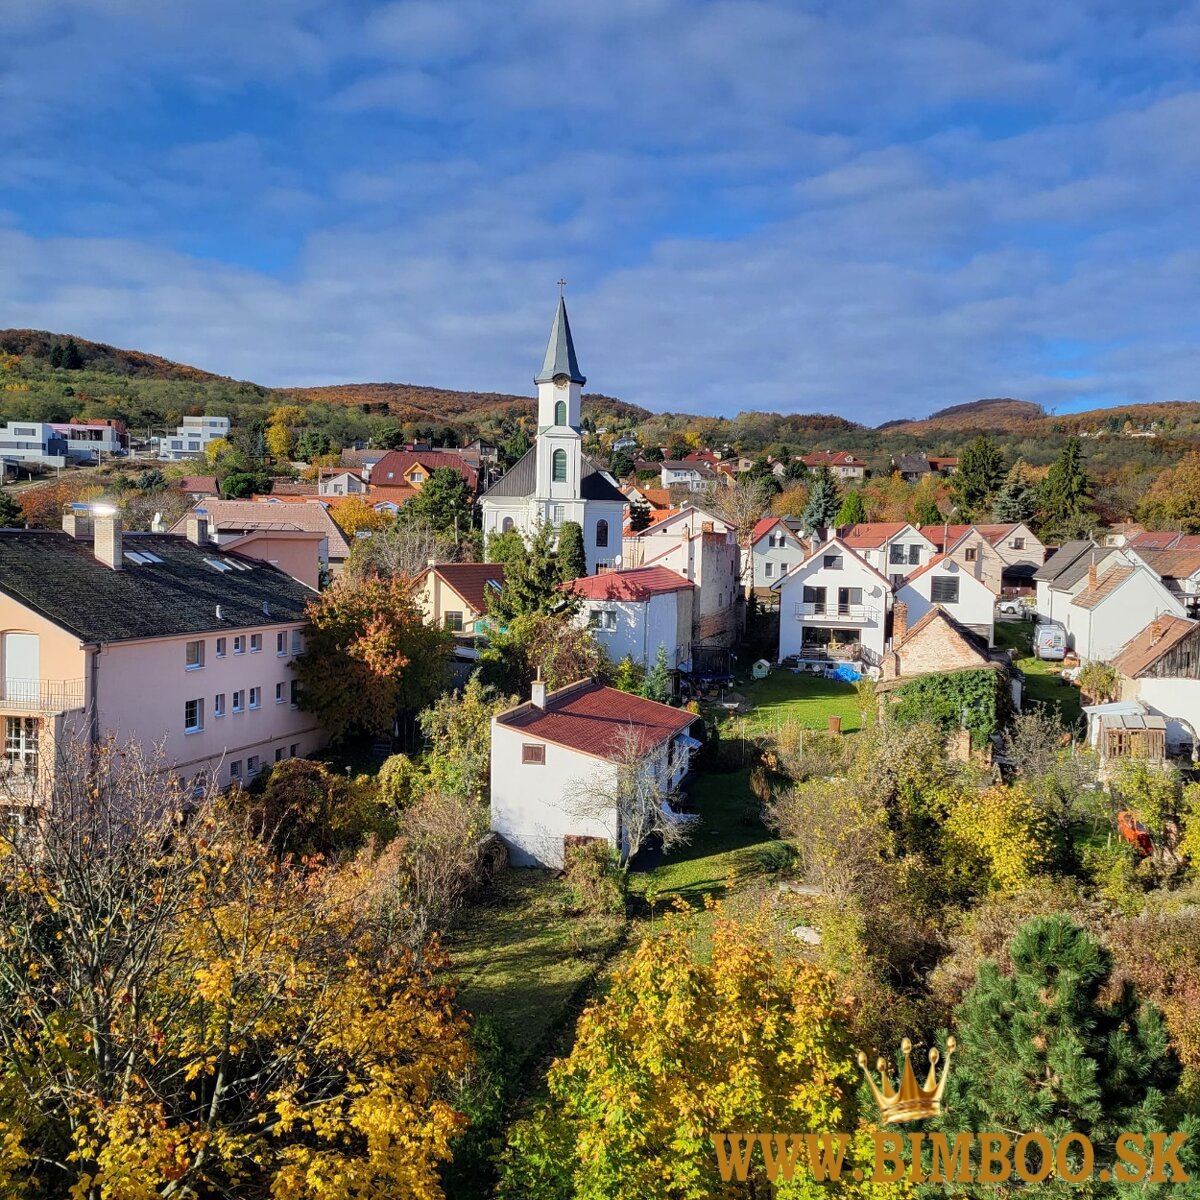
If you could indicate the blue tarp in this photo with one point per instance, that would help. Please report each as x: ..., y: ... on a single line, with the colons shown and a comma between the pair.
x: 845, y: 674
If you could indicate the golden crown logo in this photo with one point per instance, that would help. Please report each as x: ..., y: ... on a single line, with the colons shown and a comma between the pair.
x: 909, y: 1102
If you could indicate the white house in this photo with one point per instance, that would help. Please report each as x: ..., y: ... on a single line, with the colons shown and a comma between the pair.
x: 32, y: 442
x: 341, y: 483
x: 634, y: 612
x: 776, y: 546
x: 192, y: 437
x: 554, y: 482
x: 1160, y: 668
x: 1179, y: 569
x: 833, y: 605
x: 894, y: 548
x: 695, y: 476
x: 550, y: 753
x: 1064, y: 574
x: 1113, y: 601
x: 945, y: 582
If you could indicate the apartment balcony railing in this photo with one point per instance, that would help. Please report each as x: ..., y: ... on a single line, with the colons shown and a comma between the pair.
x: 40, y: 695
x: 857, y: 614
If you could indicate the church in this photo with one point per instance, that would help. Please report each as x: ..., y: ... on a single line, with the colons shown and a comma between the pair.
x: 554, y: 481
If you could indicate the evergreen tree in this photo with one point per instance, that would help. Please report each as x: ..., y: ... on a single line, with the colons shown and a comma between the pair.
x: 312, y: 443
x: 658, y: 679
x: 1066, y: 490
x: 823, y: 501
x: 56, y: 354
x: 1041, y: 1050
x: 72, y: 360
x: 531, y: 582
x: 853, y: 510
x: 516, y: 447
x: 10, y: 512
x: 620, y: 465
x: 797, y: 470
x: 388, y: 437
x: 639, y: 515
x: 1016, y: 500
x: 980, y: 474
x: 443, y: 501
x: 572, y: 558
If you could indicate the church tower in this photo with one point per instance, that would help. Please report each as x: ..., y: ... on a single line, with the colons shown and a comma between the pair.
x: 560, y: 390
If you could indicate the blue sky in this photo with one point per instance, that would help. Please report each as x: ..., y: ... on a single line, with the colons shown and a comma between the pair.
x: 873, y: 209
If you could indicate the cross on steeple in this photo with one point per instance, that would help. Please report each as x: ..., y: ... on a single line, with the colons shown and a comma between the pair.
x: 562, y: 283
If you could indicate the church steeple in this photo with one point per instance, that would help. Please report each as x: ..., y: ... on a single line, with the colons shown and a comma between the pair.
x: 560, y: 357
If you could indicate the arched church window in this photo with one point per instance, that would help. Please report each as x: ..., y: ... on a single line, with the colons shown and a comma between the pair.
x: 506, y: 526
x: 560, y: 412
x: 558, y: 467
x: 601, y: 533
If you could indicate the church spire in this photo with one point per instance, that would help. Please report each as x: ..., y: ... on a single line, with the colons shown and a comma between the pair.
x: 560, y: 351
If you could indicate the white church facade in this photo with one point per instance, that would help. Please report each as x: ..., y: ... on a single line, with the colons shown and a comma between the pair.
x: 554, y: 481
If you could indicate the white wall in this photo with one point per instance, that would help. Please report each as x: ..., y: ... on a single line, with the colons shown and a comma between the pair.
x: 1176, y: 699
x: 975, y: 606
x: 1100, y: 632
x: 781, y: 558
x: 641, y: 627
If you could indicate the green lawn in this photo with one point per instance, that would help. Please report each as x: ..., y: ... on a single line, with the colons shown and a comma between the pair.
x: 809, y: 699
x: 1042, y: 678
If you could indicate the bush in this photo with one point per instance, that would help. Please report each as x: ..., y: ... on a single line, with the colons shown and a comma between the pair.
x: 400, y: 781
x: 595, y: 878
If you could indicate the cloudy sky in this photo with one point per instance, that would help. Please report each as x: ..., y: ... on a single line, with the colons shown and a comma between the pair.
x: 874, y: 209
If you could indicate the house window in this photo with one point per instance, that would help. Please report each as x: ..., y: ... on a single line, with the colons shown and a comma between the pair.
x: 533, y: 753
x: 235, y: 770
x: 558, y: 514
x: 601, y: 534
x: 914, y: 555
x: 506, y: 526
x: 21, y: 745
x: 280, y: 693
x: 603, y: 618
x: 281, y: 643
x: 256, y: 697
x: 193, y: 716
x: 454, y: 622
x: 194, y: 655
x: 897, y: 580
x: 1018, y: 543
x: 560, y: 413
x: 220, y: 647
x: 219, y: 704
x: 769, y: 570
x: 296, y: 641
x: 239, y: 701
x: 832, y: 562
x: 279, y: 754
x: 896, y: 554
x: 943, y: 590
x: 294, y: 750
x: 816, y: 597
x: 294, y: 694
x: 255, y: 643
x: 239, y: 645
x: 252, y: 764
x: 558, y: 467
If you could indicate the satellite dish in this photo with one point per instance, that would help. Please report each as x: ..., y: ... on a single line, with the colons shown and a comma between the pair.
x: 876, y: 590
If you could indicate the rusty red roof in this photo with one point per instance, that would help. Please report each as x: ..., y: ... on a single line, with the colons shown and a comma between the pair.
x: 476, y: 583
x: 871, y: 533
x: 636, y: 583
x: 390, y: 469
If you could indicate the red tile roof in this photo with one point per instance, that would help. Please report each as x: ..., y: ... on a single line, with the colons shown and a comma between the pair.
x: 831, y: 458
x: 1112, y: 579
x: 1151, y: 540
x: 1144, y: 649
x: 870, y: 534
x: 476, y: 583
x: 200, y: 485
x: 397, y: 462
x: 591, y: 718
x: 764, y: 526
x: 636, y: 583
x: 935, y: 533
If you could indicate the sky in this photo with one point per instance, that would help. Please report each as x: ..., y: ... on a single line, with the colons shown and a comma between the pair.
x: 869, y: 209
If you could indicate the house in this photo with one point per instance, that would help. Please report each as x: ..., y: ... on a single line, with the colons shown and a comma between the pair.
x: 1114, y: 599
x: 841, y: 463
x: 1159, y: 668
x: 229, y: 520
x: 149, y: 637
x: 89, y: 441
x: 626, y: 442
x: 833, y: 605
x: 1179, y: 569
x: 943, y: 465
x: 407, y: 471
x: 1064, y: 574
x: 635, y: 611
x: 910, y: 467
x: 704, y: 550
x: 776, y: 545
x: 945, y: 582
x: 32, y: 443
x: 479, y: 453
x: 933, y: 644
x: 554, y: 481
x: 341, y: 483
x: 361, y: 461
x: 191, y: 439
x: 1021, y: 551
x: 549, y: 751
x: 455, y: 596
x: 971, y: 550
x: 694, y: 476
x: 289, y: 489
x: 893, y: 548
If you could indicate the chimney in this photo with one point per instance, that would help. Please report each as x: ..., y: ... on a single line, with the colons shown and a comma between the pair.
x: 1092, y: 573
x: 538, y: 695
x: 77, y: 521
x: 1157, y: 628
x: 899, y: 622
x: 109, y: 544
x: 197, y: 527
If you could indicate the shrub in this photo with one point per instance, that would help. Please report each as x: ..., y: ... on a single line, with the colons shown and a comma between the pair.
x: 595, y: 878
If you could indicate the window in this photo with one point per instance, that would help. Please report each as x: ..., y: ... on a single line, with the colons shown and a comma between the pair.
x: 239, y: 701
x: 454, y: 622
x: 849, y: 601
x: 1018, y: 543
x: 816, y: 597
x: 533, y: 753
x: 296, y: 641
x: 255, y: 643
x: 252, y: 764
x: 239, y: 644
x: 294, y: 695
x: 783, y: 569
x: 256, y: 697
x: 896, y: 553
x: 279, y: 754
x: 21, y: 745
x: 601, y: 533
x: 219, y: 704
x: 943, y: 590
x: 833, y: 562
x: 220, y: 647
x: 294, y: 750
x: 235, y: 770
x: 603, y: 618
x: 506, y: 526
x: 194, y: 655
x: 970, y: 553
x: 281, y: 643
x: 560, y: 413
x: 914, y: 555
x: 280, y: 693
x: 897, y: 580
x: 769, y: 570
x: 558, y: 467
x: 193, y: 716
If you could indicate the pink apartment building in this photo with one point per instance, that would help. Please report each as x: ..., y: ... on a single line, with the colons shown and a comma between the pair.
x: 152, y: 637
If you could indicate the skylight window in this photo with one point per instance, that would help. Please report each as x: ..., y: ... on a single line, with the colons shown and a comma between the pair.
x: 237, y: 566
x: 135, y: 557
x: 218, y: 565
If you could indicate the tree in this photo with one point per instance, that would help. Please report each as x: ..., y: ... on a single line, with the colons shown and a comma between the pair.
x: 740, y: 505
x: 1065, y: 493
x: 572, y: 558
x: 150, y: 481
x: 313, y: 443
x: 531, y: 582
x: 354, y: 514
x: 405, y: 547
x: 504, y: 547
x: 639, y: 515
x: 620, y: 465
x: 823, y: 501
x: 238, y: 485
x: 389, y: 436
x: 657, y: 685
x: 853, y: 510
x: 516, y: 447
x: 1173, y: 499
x: 1042, y: 1051
x: 216, y: 450
x: 457, y: 729
x: 997, y: 838
x: 1017, y: 499
x: 369, y: 655
x: 444, y: 501
x: 980, y: 473
x: 10, y: 512
x: 685, y: 1045
x: 925, y: 511
x: 185, y: 1014
x: 536, y: 642
x: 280, y: 442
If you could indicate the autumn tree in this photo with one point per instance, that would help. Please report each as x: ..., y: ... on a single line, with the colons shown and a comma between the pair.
x: 853, y: 510
x: 980, y: 473
x: 541, y: 642
x: 404, y: 547
x: 369, y: 655
x: 1173, y: 499
x: 457, y: 729
x: 740, y: 505
x: 354, y: 514
x: 10, y: 512
x: 824, y: 501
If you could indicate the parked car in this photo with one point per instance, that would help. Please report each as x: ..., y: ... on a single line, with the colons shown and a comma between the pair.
x: 1050, y: 642
x: 1011, y: 608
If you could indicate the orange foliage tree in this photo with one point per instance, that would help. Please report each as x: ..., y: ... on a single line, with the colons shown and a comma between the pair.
x: 42, y: 506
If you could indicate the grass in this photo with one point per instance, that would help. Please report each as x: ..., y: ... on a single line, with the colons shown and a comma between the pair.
x: 809, y: 699
x: 1042, y: 678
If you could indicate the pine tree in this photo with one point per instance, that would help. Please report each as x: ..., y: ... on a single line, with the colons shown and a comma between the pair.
x: 1041, y: 1050
x: 444, y: 501
x: 56, y: 354
x: 980, y: 474
x: 72, y: 360
x: 639, y: 515
x: 823, y: 501
x: 1066, y: 490
x: 10, y: 512
x: 531, y: 582
x: 658, y: 679
x: 620, y: 465
x: 1016, y: 500
x: 853, y: 510
x: 516, y: 447
x: 572, y: 558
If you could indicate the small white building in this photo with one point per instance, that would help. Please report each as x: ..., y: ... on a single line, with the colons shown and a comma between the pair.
x: 1159, y: 667
x: 775, y: 548
x: 341, y: 483
x: 32, y: 442
x: 947, y: 583
x: 192, y: 437
x: 834, y: 606
x: 1114, y: 601
x: 894, y: 548
x: 695, y: 476
x: 632, y: 613
x: 548, y: 753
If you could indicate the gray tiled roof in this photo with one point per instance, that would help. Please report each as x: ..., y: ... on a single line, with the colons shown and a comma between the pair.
x: 521, y: 479
x: 560, y: 351
x: 60, y: 578
x: 1070, y: 562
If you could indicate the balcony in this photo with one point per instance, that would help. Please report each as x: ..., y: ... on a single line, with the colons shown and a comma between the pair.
x: 40, y: 695
x: 849, y: 614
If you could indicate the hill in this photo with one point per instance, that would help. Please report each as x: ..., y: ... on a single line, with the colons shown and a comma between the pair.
x: 97, y: 356
x: 1003, y: 414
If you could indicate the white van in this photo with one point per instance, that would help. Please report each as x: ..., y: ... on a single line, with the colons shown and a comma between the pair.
x: 1050, y: 641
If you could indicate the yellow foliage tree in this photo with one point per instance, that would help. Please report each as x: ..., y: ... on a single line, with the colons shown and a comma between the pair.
x: 216, y: 450
x: 354, y: 514
x: 791, y: 502
x: 280, y: 441
x: 1000, y: 834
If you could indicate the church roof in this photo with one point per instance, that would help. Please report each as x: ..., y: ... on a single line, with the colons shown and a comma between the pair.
x: 560, y: 351
x: 521, y: 480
